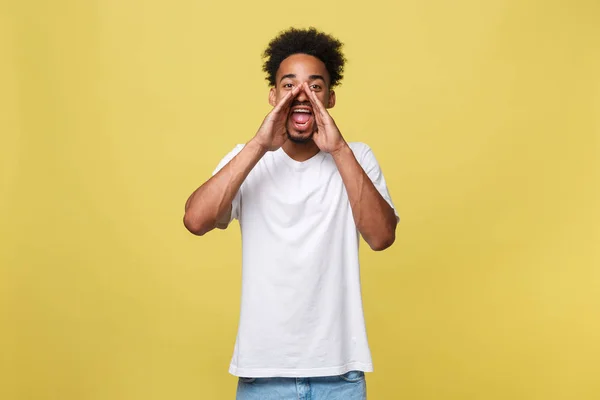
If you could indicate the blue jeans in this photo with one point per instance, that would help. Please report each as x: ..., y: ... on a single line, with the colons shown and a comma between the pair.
x: 350, y: 386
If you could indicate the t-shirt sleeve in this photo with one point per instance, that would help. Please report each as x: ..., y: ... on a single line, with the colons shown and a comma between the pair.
x: 371, y: 167
x: 237, y: 200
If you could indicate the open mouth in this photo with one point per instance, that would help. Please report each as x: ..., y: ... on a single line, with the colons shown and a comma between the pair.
x: 301, y: 118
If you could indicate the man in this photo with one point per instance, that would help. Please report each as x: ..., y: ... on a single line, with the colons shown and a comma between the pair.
x: 301, y: 194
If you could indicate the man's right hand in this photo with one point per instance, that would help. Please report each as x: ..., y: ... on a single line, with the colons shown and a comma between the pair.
x: 210, y: 205
x: 272, y: 134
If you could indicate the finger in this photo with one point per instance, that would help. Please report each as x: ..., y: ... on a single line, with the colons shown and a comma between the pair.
x: 282, y: 102
x: 321, y: 115
x: 316, y: 103
x: 287, y: 99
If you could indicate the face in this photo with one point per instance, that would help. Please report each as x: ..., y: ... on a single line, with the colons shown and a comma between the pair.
x: 292, y: 72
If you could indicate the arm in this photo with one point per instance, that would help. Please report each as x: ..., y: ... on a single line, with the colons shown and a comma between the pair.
x: 374, y: 217
x: 209, y: 206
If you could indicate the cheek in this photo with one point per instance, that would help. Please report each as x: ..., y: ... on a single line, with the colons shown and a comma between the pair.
x: 280, y: 95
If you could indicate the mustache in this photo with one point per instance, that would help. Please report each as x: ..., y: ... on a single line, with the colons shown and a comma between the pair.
x: 301, y: 103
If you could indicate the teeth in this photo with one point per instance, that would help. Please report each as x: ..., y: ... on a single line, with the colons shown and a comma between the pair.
x: 302, y: 111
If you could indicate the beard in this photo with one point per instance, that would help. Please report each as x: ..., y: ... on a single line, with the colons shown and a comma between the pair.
x: 299, y: 140
x: 299, y: 137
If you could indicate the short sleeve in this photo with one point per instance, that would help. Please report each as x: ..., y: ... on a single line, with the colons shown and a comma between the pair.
x: 369, y: 163
x: 237, y: 200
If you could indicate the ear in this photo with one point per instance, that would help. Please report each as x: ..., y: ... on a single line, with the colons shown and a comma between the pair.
x: 331, y: 102
x: 272, y: 97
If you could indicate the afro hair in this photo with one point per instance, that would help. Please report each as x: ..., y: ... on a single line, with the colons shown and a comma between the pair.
x: 305, y: 41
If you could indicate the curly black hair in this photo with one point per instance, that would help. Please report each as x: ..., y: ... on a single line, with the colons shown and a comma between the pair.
x: 305, y: 41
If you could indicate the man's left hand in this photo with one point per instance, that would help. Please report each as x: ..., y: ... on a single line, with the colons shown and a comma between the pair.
x: 327, y: 136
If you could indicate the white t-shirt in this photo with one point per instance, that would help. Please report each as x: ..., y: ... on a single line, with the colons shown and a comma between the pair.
x: 301, y: 307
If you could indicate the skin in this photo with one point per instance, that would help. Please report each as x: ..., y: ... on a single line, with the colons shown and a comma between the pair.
x: 301, y: 81
x: 294, y: 71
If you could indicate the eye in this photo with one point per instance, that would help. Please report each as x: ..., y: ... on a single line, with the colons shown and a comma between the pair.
x: 315, y: 87
x: 288, y: 86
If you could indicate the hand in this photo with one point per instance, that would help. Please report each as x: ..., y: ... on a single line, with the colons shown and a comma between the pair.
x: 327, y: 135
x: 272, y: 134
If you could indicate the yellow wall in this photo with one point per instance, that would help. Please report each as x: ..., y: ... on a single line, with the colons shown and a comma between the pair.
x: 485, y: 117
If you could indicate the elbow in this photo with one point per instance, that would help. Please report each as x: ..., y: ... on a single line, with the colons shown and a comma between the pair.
x: 195, y: 224
x: 386, y: 239
x: 382, y: 243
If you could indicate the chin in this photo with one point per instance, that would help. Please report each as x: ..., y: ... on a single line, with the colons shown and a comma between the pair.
x: 299, y: 137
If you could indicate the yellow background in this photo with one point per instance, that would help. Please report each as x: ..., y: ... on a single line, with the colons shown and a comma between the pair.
x: 485, y: 117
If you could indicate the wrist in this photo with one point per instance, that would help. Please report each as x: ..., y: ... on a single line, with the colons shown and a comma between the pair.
x: 341, y: 151
x: 258, y: 147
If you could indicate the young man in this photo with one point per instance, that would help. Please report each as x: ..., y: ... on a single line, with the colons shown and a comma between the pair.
x: 302, y: 194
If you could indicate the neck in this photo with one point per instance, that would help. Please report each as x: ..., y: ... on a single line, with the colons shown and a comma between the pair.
x: 300, y: 151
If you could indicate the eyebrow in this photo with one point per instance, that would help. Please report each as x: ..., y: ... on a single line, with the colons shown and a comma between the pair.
x: 287, y: 76
x: 310, y: 77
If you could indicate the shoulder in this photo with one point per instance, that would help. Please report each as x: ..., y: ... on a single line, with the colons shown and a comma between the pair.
x: 237, y: 148
x: 359, y: 146
x: 233, y: 152
x: 361, y: 151
x: 228, y: 157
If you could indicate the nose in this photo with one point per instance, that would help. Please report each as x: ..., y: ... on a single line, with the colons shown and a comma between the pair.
x: 302, y: 97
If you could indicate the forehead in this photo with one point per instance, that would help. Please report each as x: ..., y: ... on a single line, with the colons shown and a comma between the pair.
x: 302, y: 65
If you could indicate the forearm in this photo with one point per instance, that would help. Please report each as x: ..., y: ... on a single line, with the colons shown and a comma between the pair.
x: 211, y: 202
x: 374, y: 217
